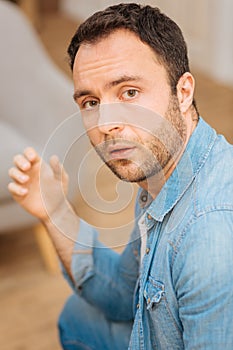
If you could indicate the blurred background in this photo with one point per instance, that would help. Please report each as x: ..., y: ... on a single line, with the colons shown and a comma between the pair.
x: 32, y: 291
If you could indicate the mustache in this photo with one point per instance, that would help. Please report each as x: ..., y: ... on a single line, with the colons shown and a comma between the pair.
x: 108, y: 149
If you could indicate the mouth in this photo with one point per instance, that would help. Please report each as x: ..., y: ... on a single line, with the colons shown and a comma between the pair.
x: 121, y: 151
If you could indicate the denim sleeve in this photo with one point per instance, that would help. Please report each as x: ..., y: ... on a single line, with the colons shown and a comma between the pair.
x: 203, y: 276
x: 103, y: 277
x: 82, y: 257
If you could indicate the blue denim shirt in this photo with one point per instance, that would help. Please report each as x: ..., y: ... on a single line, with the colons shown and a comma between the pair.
x: 181, y: 295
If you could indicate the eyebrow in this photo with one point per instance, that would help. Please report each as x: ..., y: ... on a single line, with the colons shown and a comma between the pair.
x: 125, y: 78
x: 80, y: 93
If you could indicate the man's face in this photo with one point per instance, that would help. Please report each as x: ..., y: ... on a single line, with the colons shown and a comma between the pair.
x: 130, y: 116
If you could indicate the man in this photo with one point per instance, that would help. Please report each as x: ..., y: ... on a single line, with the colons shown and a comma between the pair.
x: 171, y: 288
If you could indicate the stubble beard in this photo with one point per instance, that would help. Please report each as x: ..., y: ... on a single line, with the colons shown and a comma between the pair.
x: 156, y: 153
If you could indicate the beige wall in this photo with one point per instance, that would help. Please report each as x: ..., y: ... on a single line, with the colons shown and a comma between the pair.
x: 207, y: 26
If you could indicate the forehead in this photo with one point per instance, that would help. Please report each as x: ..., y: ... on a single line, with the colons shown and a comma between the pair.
x: 122, y: 50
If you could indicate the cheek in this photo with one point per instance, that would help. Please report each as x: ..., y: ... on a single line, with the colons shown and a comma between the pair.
x: 94, y: 136
x: 158, y: 100
x: 148, y: 117
x: 90, y: 119
x: 144, y: 134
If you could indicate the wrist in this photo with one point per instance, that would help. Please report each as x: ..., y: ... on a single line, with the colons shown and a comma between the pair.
x: 63, y: 220
x: 62, y: 227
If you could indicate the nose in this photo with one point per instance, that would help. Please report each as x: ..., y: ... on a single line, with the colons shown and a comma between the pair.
x: 110, y: 118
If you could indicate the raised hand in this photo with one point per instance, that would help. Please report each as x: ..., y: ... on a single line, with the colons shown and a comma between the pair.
x: 40, y: 188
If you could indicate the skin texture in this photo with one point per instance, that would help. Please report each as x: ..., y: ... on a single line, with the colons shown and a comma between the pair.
x: 134, y: 122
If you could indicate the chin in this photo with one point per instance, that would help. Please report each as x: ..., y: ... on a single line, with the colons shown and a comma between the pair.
x: 129, y: 172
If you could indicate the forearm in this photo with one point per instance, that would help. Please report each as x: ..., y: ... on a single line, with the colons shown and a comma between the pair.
x: 102, y: 276
x: 63, y: 228
x: 114, y: 280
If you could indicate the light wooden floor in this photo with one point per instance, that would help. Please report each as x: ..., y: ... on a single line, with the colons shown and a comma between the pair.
x: 30, y: 298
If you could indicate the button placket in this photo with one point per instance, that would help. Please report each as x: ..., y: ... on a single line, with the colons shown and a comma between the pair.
x: 150, y: 223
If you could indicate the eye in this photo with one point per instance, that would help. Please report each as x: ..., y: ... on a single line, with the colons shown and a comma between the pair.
x: 129, y: 94
x: 89, y: 105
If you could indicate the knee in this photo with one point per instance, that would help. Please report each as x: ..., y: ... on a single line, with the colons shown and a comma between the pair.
x: 82, y: 326
x: 68, y: 316
x: 68, y: 310
x: 73, y: 323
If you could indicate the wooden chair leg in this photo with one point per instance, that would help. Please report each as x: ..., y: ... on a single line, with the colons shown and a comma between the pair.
x: 47, y: 249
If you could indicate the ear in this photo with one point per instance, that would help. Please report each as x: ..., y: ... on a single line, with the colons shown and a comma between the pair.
x: 185, y: 91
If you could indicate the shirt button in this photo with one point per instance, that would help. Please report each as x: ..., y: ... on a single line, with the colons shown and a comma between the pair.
x: 149, y: 217
x: 144, y: 198
x: 147, y: 250
x: 135, y: 252
x: 138, y: 306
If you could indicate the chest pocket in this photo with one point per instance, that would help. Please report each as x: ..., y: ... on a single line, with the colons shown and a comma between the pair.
x: 159, y: 324
x: 153, y: 293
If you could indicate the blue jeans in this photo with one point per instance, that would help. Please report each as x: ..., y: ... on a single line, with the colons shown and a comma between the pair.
x: 83, y: 327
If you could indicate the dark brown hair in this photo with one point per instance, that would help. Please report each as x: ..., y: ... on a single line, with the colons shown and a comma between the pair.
x: 152, y: 27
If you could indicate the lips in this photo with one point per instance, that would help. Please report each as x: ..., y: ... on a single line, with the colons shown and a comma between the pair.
x: 120, y: 151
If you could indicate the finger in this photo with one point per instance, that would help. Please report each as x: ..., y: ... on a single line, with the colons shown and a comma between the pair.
x: 31, y: 155
x: 18, y: 175
x: 21, y: 162
x: 17, y: 190
x: 56, y: 167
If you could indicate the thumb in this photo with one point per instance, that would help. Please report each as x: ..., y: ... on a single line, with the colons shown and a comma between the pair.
x: 56, y: 167
x: 58, y: 170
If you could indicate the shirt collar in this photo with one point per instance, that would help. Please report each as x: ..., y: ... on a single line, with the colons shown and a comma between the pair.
x: 193, y: 158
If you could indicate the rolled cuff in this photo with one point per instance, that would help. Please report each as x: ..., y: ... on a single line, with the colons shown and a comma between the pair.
x: 82, y: 262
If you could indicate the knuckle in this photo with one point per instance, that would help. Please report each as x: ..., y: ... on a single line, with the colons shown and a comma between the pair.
x: 11, y: 171
x: 11, y: 186
x: 28, y: 149
x: 17, y: 158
